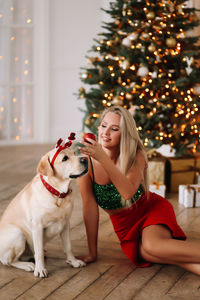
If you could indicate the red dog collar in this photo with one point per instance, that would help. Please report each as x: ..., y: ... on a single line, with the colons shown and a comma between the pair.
x: 52, y: 190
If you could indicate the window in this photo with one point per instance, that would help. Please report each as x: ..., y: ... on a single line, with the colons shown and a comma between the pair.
x: 24, y: 71
x: 16, y: 70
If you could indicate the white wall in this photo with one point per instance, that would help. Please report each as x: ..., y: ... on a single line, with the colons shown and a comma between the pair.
x: 73, y: 26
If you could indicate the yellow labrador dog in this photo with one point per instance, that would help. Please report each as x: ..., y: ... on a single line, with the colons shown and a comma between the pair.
x: 42, y: 210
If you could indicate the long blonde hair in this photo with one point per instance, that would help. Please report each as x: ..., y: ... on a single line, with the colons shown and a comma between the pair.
x: 130, y: 142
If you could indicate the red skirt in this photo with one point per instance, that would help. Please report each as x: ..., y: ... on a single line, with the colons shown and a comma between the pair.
x: 129, y: 224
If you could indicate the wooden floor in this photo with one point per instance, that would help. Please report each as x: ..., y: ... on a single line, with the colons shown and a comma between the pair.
x: 112, y: 277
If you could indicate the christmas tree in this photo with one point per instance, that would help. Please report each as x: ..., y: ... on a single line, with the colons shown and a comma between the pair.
x: 147, y: 61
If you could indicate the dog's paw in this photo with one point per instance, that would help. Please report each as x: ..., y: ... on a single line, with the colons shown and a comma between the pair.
x: 76, y: 263
x: 30, y: 267
x: 40, y: 272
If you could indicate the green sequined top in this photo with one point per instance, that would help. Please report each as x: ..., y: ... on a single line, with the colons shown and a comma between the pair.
x: 108, y: 197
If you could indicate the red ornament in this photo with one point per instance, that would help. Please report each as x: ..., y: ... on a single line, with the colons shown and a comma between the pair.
x: 90, y: 136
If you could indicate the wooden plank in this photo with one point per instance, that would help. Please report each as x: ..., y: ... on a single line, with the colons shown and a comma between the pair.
x: 18, y: 285
x: 160, y: 284
x: 133, y: 283
x: 107, y: 282
x: 6, y: 275
x: 46, y: 286
x: 77, y: 284
x: 188, y: 287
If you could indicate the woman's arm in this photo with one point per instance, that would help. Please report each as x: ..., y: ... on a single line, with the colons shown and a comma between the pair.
x: 90, y: 215
x: 127, y: 185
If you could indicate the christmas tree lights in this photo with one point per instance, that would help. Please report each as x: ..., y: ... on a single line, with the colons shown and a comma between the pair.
x: 147, y: 61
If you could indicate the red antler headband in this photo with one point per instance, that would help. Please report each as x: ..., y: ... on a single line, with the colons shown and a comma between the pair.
x: 60, y: 146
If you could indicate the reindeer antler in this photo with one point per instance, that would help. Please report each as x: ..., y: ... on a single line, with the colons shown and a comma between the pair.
x: 60, y: 146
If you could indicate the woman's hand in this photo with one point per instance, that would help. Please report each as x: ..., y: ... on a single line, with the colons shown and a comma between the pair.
x: 87, y: 258
x: 93, y: 149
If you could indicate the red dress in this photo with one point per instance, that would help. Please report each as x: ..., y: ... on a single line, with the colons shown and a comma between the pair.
x: 129, y: 224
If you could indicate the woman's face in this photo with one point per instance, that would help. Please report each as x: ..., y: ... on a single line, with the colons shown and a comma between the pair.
x: 109, y: 130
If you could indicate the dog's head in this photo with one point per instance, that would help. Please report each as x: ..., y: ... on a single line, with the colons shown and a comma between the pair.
x: 67, y: 164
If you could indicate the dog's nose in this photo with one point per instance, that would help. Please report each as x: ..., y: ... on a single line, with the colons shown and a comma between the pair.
x: 84, y: 161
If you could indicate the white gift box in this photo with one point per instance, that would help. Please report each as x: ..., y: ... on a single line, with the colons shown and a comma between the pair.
x: 189, y: 195
x: 158, y: 189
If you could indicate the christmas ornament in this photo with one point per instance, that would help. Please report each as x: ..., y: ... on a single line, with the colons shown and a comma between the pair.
x: 145, y: 36
x: 129, y: 12
x: 157, y: 28
x: 84, y: 75
x: 133, y: 36
x: 82, y: 92
x: 89, y: 135
x: 93, y: 59
x: 189, y: 62
x: 132, y: 109
x: 117, y: 22
x: 155, y: 74
x: 171, y: 42
x: 196, y: 90
x: 129, y: 96
x: 126, y: 42
x: 180, y: 8
x: 142, y: 71
x: 132, y: 84
x: 124, y: 64
x: 117, y: 101
x: 119, y: 80
x: 152, y: 47
x: 88, y: 122
x: 150, y: 15
x: 124, y: 9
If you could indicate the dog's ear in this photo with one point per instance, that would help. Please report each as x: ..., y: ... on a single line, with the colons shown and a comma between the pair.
x: 44, y: 167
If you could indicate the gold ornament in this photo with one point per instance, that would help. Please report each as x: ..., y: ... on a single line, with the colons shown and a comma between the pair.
x: 93, y: 59
x: 145, y: 36
x: 129, y: 96
x: 82, y: 92
x: 151, y: 47
x: 124, y: 64
x: 88, y: 122
x: 171, y: 42
x: 119, y: 80
x: 117, y: 22
x: 157, y: 28
x: 180, y: 8
x: 150, y: 15
x: 196, y: 89
x: 117, y: 101
x: 129, y: 12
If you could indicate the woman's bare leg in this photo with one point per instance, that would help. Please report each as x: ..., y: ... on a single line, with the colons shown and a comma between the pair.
x: 158, y: 246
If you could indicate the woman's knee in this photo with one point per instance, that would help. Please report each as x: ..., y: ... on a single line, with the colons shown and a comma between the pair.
x: 153, y: 240
x: 149, y: 246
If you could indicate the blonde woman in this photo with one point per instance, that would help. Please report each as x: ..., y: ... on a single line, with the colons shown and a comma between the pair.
x: 144, y: 222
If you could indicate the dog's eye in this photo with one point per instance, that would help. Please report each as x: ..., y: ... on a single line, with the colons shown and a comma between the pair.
x: 65, y: 158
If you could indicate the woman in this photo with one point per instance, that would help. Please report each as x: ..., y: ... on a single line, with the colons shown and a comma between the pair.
x: 117, y: 181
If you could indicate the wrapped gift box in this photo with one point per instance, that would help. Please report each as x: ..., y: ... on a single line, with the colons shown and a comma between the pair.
x: 156, y: 167
x: 182, y: 171
x: 159, y: 189
x: 156, y: 171
x: 189, y: 195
